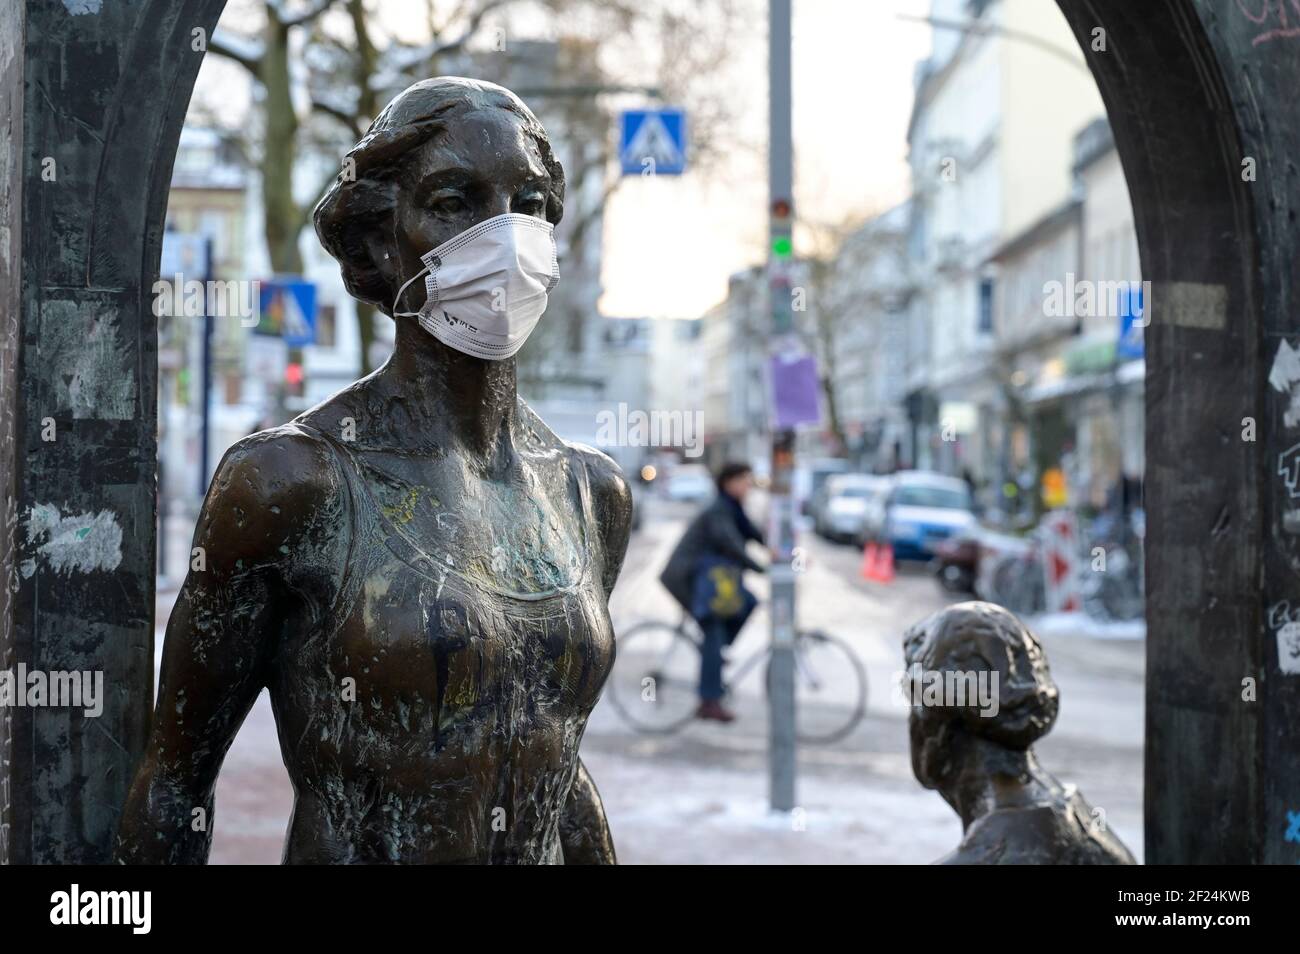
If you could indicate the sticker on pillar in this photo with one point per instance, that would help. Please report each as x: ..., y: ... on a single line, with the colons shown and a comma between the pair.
x: 1288, y: 649
x: 1284, y: 376
x: 1285, y: 624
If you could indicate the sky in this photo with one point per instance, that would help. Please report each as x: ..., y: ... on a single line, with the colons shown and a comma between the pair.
x: 671, y: 243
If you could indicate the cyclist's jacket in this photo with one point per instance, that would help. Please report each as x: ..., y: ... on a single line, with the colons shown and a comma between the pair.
x: 717, y: 535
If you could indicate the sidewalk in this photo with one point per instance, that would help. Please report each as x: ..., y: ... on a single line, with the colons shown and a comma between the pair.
x: 701, y: 795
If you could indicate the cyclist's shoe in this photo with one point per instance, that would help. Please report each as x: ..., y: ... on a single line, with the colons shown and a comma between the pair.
x: 715, y: 710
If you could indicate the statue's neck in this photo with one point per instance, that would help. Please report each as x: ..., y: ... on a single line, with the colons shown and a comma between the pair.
x: 992, y: 776
x: 454, y: 398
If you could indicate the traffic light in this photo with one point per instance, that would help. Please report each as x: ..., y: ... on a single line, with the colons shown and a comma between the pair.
x: 782, y: 222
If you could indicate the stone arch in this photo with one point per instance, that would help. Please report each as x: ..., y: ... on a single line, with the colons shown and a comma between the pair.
x: 1193, y: 87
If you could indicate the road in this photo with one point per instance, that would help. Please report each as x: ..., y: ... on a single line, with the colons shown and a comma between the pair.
x: 700, y: 795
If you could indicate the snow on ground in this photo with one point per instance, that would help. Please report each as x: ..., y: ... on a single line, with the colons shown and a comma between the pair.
x: 700, y: 795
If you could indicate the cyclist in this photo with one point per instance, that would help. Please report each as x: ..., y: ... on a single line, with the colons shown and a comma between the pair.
x: 704, y: 575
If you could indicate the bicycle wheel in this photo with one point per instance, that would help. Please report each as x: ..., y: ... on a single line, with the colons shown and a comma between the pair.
x: 830, y: 688
x: 655, y: 682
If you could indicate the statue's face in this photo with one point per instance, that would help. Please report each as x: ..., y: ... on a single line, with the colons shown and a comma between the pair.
x: 483, y: 165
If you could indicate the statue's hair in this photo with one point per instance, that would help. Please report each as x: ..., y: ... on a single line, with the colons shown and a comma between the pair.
x: 364, y: 194
x: 983, y: 637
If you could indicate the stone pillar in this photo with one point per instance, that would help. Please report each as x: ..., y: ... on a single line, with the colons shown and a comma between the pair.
x: 94, y: 95
x: 1201, y: 98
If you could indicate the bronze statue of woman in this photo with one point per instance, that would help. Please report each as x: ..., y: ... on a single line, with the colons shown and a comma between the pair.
x: 418, y: 569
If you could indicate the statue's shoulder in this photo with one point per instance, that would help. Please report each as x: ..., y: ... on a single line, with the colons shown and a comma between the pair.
x: 609, y: 487
x: 275, y: 465
x: 274, y: 491
x: 1062, y: 833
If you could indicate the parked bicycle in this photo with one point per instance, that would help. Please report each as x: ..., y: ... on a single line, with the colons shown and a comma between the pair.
x: 1011, y: 573
x: 655, y: 681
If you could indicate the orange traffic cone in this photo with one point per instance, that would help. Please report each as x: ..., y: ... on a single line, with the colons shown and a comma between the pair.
x: 868, y: 561
x: 878, y: 563
x: 885, y: 565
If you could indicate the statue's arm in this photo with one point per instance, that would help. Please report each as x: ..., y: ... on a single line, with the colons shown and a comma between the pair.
x: 584, y: 829
x: 257, y: 520
x: 612, y: 499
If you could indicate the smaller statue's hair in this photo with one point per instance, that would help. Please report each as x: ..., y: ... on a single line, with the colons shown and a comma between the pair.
x: 984, y: 637
x: 363, y: 196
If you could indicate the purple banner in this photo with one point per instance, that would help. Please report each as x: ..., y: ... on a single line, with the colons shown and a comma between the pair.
x: 795, y: 391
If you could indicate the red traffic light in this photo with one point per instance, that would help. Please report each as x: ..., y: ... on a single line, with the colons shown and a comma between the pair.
x: 781, y: 208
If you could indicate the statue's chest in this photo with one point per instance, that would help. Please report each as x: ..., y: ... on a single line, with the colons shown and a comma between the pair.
x: 430, y: 635
x: 526, y: 538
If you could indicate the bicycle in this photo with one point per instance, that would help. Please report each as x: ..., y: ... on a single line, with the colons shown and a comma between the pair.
x: 655, y: 682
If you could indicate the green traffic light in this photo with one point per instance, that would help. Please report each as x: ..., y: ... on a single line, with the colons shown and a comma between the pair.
x: 782, y: 246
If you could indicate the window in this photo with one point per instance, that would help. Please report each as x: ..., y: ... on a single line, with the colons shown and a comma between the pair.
x: 985, y: 325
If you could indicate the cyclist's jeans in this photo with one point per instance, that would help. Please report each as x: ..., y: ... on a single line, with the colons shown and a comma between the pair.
x: 717, y: 633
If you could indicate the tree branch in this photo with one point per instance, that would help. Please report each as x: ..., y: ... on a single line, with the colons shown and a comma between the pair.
x: 218, y: 44
x: 311, y: 13
x: 475, y: 21
x: 348, y: 120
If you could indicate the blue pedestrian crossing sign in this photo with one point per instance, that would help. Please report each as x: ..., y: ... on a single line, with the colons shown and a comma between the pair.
x: 653, y: 142
x: 288, y: 310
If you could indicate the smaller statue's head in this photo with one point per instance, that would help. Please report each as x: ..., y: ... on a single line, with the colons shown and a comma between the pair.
x: 444, y: 155
x: 974, y: 672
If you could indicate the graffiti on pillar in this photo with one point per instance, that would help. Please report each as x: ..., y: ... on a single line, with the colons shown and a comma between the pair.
x: 1288, y: 468
x: 1273, y: 15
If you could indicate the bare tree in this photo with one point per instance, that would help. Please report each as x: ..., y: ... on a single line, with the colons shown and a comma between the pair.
x: 831, y: 305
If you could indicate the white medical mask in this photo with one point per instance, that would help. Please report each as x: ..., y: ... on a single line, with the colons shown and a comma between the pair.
x: 487, y: 287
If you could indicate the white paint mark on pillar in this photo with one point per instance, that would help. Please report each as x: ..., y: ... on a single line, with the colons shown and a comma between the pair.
x: 81, y: 542
x: 1284, y: 376
x: 1193, y: 305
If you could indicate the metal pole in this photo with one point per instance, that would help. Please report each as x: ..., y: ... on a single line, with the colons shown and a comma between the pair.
x: 781, y: 709
x: 205, y: 430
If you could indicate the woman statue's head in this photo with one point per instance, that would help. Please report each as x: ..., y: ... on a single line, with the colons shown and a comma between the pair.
x: 990, y: 647
x: 444, y: 155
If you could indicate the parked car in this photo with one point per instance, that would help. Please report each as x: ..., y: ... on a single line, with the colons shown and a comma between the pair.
x: 956, y: 561
x: 810, y: 477
x: 840, y: 508
x: 874, y: 511
x: 690, y: 483
x: 924, y: 508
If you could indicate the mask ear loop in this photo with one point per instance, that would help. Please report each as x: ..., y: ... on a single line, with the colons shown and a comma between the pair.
x: 398, y: 298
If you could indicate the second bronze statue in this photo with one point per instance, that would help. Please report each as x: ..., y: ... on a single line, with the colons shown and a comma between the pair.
x: 418, y: 569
